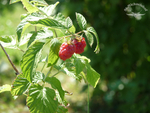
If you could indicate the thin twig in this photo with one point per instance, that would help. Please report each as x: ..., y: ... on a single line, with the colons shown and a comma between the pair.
x: 12, y: 64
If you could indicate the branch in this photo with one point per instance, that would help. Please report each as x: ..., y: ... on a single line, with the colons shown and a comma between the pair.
x: 12, y: 64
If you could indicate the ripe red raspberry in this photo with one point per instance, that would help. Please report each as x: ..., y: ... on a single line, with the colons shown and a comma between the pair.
x: 80, y: 45
x: 66, y: 51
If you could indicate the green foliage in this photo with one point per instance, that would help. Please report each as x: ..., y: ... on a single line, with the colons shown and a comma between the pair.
x: 41, y: 99
x: 50, y: 30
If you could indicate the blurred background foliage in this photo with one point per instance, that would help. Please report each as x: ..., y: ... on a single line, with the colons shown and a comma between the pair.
x: 124, y: 60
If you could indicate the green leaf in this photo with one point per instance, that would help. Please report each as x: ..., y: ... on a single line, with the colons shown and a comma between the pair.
x: 81, y: 21
x: 92, y: 76
x: 55, y: 83
x: 20, y: 85
x: 79, y: 63
x: 30, y: 8
x: 40, y: 35
x: 38, y: 77
x: 89, y: 37
x: 62, y: 109
x: 25, y: 38
x: 68, y: 22
x: 48, y: 22
x: 72, y: 29
x: 60, y: 18
x: 22, y: 27
x: 48, y: 10
x: 8, y: 42
x: 53, y: 53
x: 6, y: 39
x: 41, y: 100
x: 14, y: 1
x: 92, y: 30
x: 29, y: 60
x: 5, y: 87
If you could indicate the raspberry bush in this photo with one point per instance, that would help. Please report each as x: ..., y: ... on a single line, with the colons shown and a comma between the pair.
x: 65, y: 45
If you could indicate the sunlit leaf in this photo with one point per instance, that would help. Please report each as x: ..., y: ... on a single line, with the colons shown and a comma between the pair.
x: 48, y: 22
x: 81, y: 21
x: 92, y: 30
x: 92, y: 76
x: 5, y: 87
x: 38, y: 77
x: 53, y: 53
x: 72, y: 29
x: 48, y: 10
x: 30, y: 8
x: 8, y: 41
x: 60, y: 18
x: 68, y: 22
x: 29, y: 60
x: 79, y: 64
x: 41, y: 100
x: 20, y: 85
x: 89, y: 38
x: 40, y: 35
x: 55, y: 83
x: 21, y: 27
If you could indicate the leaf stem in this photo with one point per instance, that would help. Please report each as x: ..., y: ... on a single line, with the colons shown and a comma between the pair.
x: 49, y: 72
x: 12, y: 64
x: 55, y: 32
x: 55, y: 74
x: 88, y: 101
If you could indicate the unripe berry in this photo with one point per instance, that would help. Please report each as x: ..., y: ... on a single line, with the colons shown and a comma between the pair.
x: 79, y: 45
x: 66, y: 51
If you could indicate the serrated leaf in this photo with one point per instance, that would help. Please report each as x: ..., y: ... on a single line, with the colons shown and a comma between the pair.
x: 29, y: 60
x: 40, y: 35
x: 25, y: 38
x: 68, y: 22
x: 21, y: 27
x: 89, y: 38
x: 81, y: 21
x: 60, y: 18
x: 71, y: 73
x: 92, y: 76
x: 55, y: 83
x: 79, y: 64
x: 8, y: 42
x: 5, y: 87
x: 42, y: 100
x: 53, y: 53
x: 92, y: 30
x: 38, y: 77
x: 30, y: 8
x: 48, y: 10
x: 14, y: 1
x: 20, y: 85
x: 48, y: 22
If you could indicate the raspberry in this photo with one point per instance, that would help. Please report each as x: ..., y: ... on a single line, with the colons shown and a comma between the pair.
x: 79, y: 45
x: 66, y: 51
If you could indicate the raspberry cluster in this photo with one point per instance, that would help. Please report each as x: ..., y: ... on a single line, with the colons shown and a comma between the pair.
x: 68, y: 49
